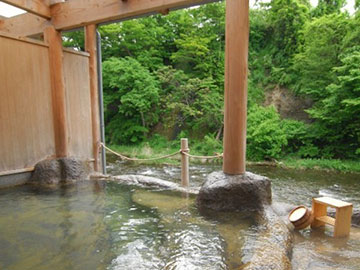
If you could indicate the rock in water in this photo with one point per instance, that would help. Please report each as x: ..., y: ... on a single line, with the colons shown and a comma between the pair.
x: 59, y: 171
x: 222, y: 192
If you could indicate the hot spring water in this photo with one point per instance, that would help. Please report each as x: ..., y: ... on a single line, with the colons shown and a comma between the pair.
x: 107, y: 225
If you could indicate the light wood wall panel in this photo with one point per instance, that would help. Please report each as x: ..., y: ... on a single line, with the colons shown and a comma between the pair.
x: 77, y: 84
x: 26, y: 119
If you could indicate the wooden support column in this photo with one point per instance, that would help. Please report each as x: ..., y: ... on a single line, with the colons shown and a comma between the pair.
x: 90, y: 47
x: 236, y: 65
x: 184, y: 163
x: 53, y: 38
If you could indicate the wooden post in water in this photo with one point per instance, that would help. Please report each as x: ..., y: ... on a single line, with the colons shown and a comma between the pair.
x: 236, y: 65
x: 184, y: 163
x: 53, y: 38
x: 90, y: 47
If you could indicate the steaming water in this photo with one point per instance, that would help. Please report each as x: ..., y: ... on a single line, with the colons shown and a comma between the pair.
x: 106, y: 225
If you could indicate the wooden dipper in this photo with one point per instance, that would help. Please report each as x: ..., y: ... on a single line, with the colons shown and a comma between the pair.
x: 301, y: 217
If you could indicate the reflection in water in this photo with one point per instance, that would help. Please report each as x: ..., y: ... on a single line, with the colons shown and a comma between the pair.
x: 51, y: 229
x: 312, y: 249
x: 105, y: 225
x: 109, y: 226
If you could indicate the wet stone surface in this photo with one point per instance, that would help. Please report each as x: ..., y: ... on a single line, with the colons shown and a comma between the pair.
x: 222, y: 192
x: 59, y: 171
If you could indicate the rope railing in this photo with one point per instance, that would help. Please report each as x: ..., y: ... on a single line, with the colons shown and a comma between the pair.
x: 184, y: 151
x: 201, y: 157
x: 139, y: 159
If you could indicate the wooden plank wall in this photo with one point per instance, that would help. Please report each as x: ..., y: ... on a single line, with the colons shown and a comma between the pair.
x: 26, y: 119
x: 78, y: 105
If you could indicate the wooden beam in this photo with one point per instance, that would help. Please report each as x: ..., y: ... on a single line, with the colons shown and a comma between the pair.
x: 90, y: 47
x: 24, y: 170
x: 236, y: 65
x: 38, y: 7
x: 78, y: 13
x: 24, y: 25
x: 73, y: 14
x: 24, y: 39
x: 53, y: 38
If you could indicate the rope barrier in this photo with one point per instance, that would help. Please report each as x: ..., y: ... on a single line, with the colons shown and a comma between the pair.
x: 201, y: 157
x: 161, y: 157
x: 138, y: 159
x: 184, y: 159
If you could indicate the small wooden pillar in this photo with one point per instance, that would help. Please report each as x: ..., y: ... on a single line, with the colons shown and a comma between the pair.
x: 236, y: 65
x: 90, y: 47
x: 184, y: 163
x: 53, y: 38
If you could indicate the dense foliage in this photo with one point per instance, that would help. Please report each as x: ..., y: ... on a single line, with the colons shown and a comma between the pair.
x: 165, y: 75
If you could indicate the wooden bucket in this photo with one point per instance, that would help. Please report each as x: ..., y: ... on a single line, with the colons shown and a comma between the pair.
x: 301, y: 217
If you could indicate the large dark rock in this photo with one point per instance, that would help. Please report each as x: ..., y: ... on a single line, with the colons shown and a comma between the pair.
x: 222, y: 192
x: 59, y: 171
x: 355, y: 219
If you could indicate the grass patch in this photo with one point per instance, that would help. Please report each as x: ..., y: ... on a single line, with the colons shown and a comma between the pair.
x: 322, y: 164
x: 145, y: 151
x: 160, y: 146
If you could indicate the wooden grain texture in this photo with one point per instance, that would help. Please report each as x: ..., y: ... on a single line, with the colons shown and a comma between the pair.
x: 53, y: 38
x: 26, y: 125
x: 77, y: 13
x: 24, y: 25
x: 91, y: 48
x: 17, y: 171
x: 184, y: 163
x: 77, y: 82
x: 332, y: 202
x: 38, y: 7
x: 236, y: 65
x: 24, y: 39
x: 343, y: 221
x: 319, y: 210
x: 326, y: 220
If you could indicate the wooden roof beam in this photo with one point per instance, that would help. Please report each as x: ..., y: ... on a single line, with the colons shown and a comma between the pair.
x: 77, y: 13
x: 24, y: 25
x: 37, y: 7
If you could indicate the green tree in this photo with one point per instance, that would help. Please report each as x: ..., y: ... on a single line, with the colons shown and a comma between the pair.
x: 265, y: 137
x: 130, y: 96
x: 320, y: 53
x: 286, y: 18
x: 338, y: 115
x: 325, y: 7
x: 191, y: 104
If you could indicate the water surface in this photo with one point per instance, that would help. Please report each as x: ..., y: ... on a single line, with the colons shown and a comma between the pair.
x: 107, y: 225
x: 313, y: 249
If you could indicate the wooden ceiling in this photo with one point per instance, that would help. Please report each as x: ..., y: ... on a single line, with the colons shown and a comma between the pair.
x: 72, y: 14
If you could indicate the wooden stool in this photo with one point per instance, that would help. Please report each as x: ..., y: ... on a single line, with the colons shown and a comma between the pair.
x: 342, y: 220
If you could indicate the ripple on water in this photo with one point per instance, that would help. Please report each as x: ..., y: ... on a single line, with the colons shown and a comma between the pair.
x: 104, y: 225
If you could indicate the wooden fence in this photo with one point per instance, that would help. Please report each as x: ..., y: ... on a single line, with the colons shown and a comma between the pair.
x: 26, y: 112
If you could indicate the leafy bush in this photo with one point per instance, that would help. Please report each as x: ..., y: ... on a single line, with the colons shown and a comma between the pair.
x: 209, y: 145
x: 265, y: 136
x: 130, y: 95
